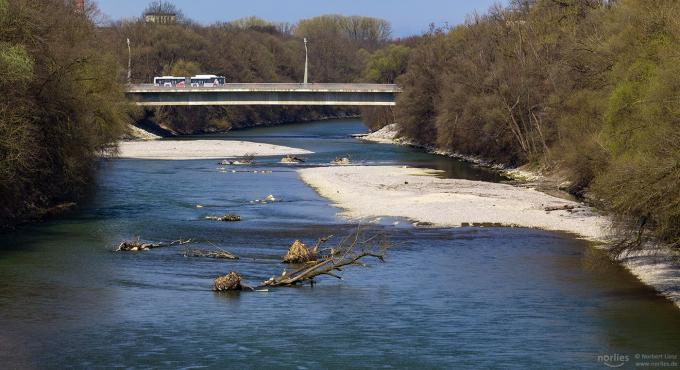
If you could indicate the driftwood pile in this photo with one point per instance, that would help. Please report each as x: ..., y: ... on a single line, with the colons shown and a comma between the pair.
x: 289, y: 159
x: 566, y: 207
x: 299, y: 253
x: 218, y: 254
x: 228, y: 282
x: 350, y: 251
x: 137, y: 246
x: 246, y: 159
x: 342, y: 161
x: 226, y: 218
x: 310, y: 263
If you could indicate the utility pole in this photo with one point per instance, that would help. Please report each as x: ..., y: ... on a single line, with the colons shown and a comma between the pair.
x: 129, y: 76
x: 306, y: 61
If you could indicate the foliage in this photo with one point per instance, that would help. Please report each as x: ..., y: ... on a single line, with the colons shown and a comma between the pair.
x: 367, y: 32
x: 16, y: 66
x: 386, y: 64
x: 588, y: 87
x: 261, y: 25
x: 61, y: 105
x: 641, y: 125
x: 182, y: 68
x: 162, y: 7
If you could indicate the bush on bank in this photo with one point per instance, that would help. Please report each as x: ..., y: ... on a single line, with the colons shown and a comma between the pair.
x: 61, y: 104
x: 589, y: 88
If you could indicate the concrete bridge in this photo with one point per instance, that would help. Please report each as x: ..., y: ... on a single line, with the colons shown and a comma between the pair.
x: 346, y: 94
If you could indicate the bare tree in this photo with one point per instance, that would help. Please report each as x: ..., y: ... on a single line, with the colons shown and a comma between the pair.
x: 161, y: 7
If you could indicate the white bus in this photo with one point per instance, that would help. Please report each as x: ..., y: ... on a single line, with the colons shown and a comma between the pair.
x: 207, y: 81
x: 170, y: 81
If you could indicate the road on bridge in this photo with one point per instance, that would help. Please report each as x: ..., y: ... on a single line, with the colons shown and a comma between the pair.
x: 348, y: 94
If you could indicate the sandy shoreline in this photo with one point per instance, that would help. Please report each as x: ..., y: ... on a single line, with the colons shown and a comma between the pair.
x: 374, y: 191
x: 200, y: 149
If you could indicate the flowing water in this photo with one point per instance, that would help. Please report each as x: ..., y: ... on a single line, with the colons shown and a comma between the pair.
x: 445, y: 298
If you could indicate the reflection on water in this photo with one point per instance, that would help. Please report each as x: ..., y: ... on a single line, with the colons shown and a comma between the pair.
x: 459, y: 298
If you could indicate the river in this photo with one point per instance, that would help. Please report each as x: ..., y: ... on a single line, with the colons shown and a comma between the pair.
x: 445, y: 298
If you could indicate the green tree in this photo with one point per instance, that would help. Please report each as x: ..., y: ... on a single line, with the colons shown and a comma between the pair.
x: 182, y: 68
x: 641, y: 130
x: 385, y: 65
x: 16, y: 66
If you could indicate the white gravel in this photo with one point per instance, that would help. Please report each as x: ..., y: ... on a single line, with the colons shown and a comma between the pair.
x: 386, y: 135
x: 199, y: 149
x: 138, y: 133
x: 367, y: 191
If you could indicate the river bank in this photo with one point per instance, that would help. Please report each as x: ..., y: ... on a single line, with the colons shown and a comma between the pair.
x: 390, y: 135
x: 655, y: 265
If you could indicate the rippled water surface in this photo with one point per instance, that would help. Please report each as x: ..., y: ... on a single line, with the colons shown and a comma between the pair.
x: 453, y: 298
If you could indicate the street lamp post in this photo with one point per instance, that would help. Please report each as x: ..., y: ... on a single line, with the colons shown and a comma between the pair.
x: 129, y: 75
x: 306, y: 61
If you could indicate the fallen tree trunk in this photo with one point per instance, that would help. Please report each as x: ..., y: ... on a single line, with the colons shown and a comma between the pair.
x: 566, y: 207
x: 226, y: 218
x: 221, y: 254
x: 137, y: 246
x: 349, y: 252
x: 325, y: 267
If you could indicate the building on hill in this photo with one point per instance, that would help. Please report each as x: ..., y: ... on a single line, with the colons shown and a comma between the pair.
x: 162, y: 12
x: 160, y: 18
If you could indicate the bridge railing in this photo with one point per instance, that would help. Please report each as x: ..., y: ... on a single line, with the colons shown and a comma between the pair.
x: 320, y: 87
x: 329, y: 94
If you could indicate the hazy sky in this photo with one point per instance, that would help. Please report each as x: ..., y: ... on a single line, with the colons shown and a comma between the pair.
x: 407, y: 16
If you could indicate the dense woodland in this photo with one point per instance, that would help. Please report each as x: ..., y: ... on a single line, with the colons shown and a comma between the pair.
x: 61, y: 103
x: 586, y: 89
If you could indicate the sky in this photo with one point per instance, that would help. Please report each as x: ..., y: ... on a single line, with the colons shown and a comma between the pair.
x: 408, y: 17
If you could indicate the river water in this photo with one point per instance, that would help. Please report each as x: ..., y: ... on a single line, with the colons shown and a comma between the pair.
x: 445, y: 298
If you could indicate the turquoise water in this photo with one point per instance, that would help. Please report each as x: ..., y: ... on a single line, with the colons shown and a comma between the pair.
x: 445, y: 298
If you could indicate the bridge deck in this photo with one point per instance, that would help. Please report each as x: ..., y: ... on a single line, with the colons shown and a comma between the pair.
x: 266, y: 94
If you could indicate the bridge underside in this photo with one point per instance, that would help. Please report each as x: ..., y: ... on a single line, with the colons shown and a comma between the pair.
x: 265, y: 94
x: 263, y: 98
